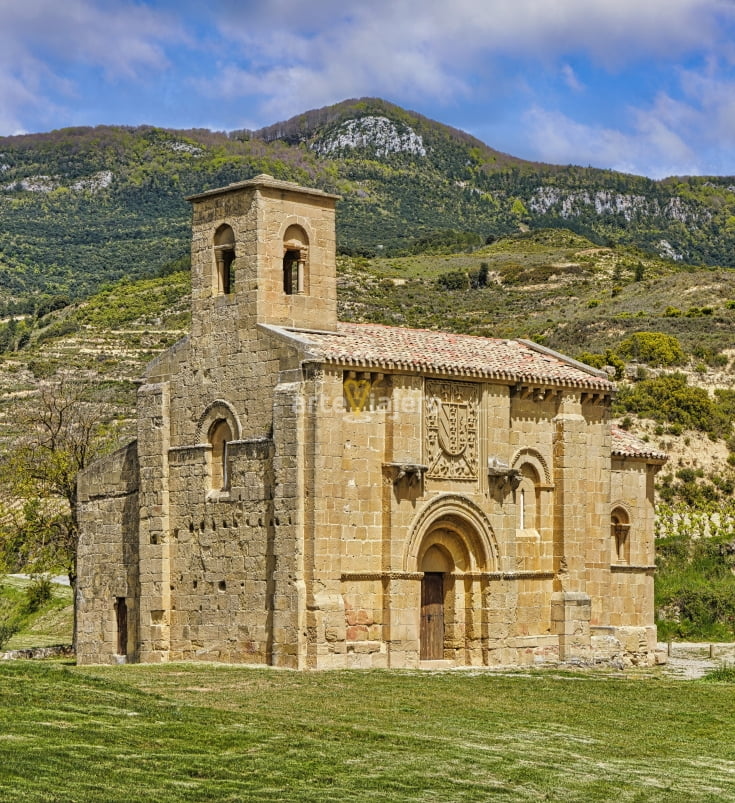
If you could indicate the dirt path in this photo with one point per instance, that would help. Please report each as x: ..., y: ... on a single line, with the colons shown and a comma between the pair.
x: 689, y: 660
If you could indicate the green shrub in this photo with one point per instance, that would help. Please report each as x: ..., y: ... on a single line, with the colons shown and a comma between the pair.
x: 724, y: 673
x: 38, y: 593
x: 695, y: 581
x: 710, y: 356
x: 58, y: 329
x: 599, y: 361
x: 672, y: 312
x: 8, y: 628
x: 670, y: 399
x: 653, y: 348
x: 9, y: 620
x: 454, y: 280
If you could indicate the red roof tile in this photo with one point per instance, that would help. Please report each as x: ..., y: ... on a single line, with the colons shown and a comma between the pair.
x: 626, y: 445
x: 396, y: 348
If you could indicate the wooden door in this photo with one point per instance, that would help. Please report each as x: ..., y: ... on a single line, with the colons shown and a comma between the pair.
x: 432, y: 616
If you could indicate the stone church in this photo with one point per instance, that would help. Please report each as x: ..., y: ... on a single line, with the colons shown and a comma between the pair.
x: 311, y: 494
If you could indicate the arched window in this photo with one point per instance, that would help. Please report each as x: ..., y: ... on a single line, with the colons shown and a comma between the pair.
x: 224, y: 255
x: 527, y: 499
x: 619, y: 536
x: 219, y: 435
x: 295, y: 261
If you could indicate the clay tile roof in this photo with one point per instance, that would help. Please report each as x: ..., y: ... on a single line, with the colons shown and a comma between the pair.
x: 396, y: 348
x: 626, y: 445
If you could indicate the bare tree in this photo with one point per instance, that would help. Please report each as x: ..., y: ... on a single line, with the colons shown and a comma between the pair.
x: 61, y: 430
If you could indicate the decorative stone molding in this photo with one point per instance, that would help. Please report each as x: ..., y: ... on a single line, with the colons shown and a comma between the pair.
x: 348, y: 576
x: 463, y: 515
x: 218, y: 409
x: 536, y: 459
x: 629, y: 568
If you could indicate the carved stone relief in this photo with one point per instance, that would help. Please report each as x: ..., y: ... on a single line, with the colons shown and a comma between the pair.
x: 451, y: 430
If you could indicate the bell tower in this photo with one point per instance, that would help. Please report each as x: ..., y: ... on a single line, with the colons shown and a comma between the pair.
x: 267, y: 247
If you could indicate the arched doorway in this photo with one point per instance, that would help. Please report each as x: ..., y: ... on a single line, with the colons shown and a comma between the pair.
x: 452, y: 548
x: 450, y: 602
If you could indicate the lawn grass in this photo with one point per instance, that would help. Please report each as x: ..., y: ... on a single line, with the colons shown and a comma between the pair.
x: 200, y: 732
x: 49, y: 625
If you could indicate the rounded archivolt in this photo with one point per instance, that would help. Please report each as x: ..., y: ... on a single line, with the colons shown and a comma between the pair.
x: 219, y: 410
x: 457, y: 527
x: 535, y: 459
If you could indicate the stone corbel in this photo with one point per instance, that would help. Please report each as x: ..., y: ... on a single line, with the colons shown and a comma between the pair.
x: 502, y: 475
x: 413, y: 472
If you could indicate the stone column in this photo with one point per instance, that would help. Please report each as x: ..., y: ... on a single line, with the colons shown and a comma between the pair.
x: 288, y: 640
x: 570, y: 605
x: 154, y: 550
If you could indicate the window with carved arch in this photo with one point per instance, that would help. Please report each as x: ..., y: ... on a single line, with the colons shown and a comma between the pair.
x: 620, y: 535
x: 528, y: 499
x: 295, y: 261
x: 220, y: 435
x: 224, y: 257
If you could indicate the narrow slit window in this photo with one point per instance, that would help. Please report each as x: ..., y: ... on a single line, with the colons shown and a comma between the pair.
x: 219, y: 436
x: 620, y: 537
x: 121, y: 615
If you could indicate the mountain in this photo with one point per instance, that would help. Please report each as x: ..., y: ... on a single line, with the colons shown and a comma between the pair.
x: 82, y: 207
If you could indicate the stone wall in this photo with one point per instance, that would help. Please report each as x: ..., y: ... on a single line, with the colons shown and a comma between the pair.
x: 382, y: 489
x: 107, y: 557
x: 222, y: 556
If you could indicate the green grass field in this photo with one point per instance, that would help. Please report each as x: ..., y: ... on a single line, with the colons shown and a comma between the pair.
x: 50, y: 624
x: 193, y: 733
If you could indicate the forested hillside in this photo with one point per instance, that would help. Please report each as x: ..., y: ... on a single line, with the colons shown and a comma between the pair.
x: 83, y: 207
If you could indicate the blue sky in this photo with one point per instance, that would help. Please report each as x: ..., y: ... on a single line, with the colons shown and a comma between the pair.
x: 644, y: 86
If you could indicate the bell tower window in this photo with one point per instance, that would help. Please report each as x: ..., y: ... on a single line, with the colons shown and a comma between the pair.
x: 224, y: 256
x: 293, y: 273
x: 295, y: 261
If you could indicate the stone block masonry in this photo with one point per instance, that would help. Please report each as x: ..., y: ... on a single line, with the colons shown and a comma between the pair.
x: 308, y: 494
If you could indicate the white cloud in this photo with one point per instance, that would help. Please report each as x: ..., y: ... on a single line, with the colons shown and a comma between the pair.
x: 450, y: 35
x: 297, y: 54
x: 693, y: 134
x: 570, y: 78
x: 43, y: 42
x: 651, y: 146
